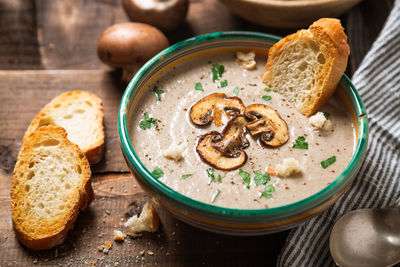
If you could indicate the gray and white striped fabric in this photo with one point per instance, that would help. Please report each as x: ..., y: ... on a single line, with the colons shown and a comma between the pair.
x: 378, y: 181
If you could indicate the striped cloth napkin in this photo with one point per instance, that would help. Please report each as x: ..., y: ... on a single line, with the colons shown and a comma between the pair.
x: 378, y: 181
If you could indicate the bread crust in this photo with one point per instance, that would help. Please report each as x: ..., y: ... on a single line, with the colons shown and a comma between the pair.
x: 155, y: 220
x: 54, y: 230
x: 95, y: 152
x: 146, y: 221
x: 329, y: 34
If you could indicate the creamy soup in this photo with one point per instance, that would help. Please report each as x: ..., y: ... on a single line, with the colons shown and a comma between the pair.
x: 167, y: 102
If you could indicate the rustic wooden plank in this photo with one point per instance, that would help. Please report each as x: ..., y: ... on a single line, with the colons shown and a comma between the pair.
x: 117, y: 198
x: 63, y: 34
x: 24, y: 93
x: 68, y: 31
x: 19, y: 48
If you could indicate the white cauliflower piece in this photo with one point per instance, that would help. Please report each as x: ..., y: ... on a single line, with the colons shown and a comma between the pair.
x: 288, y: 167
x: 174, y: 151
x: 318, y: 120
x: 246, y: 60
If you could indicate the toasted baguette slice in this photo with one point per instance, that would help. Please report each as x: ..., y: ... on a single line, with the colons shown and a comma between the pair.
x: 306, y: 66
x: 50, y: 184
x: 80, y: 113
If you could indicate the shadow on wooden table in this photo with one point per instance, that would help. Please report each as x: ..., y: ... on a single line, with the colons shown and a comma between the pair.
x: 117, y: 197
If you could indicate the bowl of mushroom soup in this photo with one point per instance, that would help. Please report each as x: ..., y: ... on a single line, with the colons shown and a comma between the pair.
x: 206, y: 138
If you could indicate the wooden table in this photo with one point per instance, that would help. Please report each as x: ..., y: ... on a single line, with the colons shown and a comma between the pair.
x: 49, y: 47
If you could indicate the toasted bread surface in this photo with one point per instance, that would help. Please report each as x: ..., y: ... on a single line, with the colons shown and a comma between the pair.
x: 50, y: 184
x: 147, y: 221
x: 306, y: 66
x: 80, y: 113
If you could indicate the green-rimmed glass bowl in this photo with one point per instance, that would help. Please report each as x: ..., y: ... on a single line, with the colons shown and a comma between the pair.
x: 227, y: 220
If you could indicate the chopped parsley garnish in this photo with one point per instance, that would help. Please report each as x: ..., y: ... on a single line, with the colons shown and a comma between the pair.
x: 236, y: 91
x: 158, y: 92
x: 261, y: 178
x: 199, y: 87
x: 214, y: 197
x: 158, y: 173
x: 217, y: 71
x: 224, y: 83
x: 327, y: 116
x: 268, y: 189
x: 185, y: 176
x: 326, y: 163
x: 246, y: 178
x: 300, y: 143
x: 171, y: 171
x: 266, y: 97
x: 147, y: 122
x: 210, y: 174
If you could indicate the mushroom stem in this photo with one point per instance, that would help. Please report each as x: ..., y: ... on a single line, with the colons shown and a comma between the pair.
x: 128, y: 72
x: 214, y: 157
x: 233, y: 139
x: 225, y: 151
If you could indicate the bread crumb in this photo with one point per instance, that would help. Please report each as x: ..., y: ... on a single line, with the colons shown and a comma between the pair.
x: 90, y: 263
x: 147, y: 221
x: 174, y: 151
x: 119, y: 236
x: 108, y: 244
x: 151, y: 253
x: 246, y: 60
x: 288, y: 167
x: 105, y: 248
x: 317, y: 121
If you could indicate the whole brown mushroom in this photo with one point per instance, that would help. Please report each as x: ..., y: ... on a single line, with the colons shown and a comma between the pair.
x: 163, y: 14
x: 130, y: 45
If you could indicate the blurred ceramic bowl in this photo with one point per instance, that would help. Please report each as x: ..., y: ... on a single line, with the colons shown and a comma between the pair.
x: 215, y: 218
x: 288, y: 13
